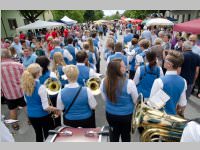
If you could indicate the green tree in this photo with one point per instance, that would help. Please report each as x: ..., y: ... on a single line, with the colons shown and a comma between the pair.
x: 113, y: 17
x: 89, y: 15
x: 73, y: 14
x: 139, y: 14
x: 31, y: 15
x: 99, y: 14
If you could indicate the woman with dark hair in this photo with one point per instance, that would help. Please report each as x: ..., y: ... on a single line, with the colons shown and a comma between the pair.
x: 120, y: 94
x: 44, y: 62
x: 146, y: 74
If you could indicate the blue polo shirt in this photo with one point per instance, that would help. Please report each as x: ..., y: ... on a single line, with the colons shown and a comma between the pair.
x: 191, y: 61
x: 29, y: 60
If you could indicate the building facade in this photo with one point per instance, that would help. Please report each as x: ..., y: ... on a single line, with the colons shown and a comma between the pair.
x: 12, y: 19
x: 183, y: 15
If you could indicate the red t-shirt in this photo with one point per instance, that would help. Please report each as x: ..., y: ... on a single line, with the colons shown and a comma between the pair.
x: 65, y: 32
x: 46, y: 36
x: 22, y: 36
x: 50, y: 47
x: 54, y: 34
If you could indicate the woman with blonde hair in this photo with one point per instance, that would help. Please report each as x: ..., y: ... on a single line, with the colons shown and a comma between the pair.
x: 94, y: 49
x: 77, y: 102
x: 38, y: 108
x: 58, y: 64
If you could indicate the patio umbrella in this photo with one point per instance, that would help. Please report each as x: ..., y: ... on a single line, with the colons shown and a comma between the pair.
x: 159, y: 21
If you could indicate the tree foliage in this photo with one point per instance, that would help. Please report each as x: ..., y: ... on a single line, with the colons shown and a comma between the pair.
x: 73, y: 14
x: 31, y: 15
x: 113, y: 17
x: 139, y: 14
x: 89, y: 15
x: 99, y: 14
x: 78, y: 15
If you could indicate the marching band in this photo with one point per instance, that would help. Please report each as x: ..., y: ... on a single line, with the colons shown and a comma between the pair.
x: 133, y: 66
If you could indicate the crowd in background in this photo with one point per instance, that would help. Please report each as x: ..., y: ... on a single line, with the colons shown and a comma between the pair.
x: 146, y: 55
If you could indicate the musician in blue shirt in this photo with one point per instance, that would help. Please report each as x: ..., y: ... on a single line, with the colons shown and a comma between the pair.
x: 38, y: 107
x: 172, y: 84
x: 81, y: 112
x: 120, y: 95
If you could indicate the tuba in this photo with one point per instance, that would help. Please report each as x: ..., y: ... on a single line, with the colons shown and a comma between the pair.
x: 156, y: 125
x: 93, y: 84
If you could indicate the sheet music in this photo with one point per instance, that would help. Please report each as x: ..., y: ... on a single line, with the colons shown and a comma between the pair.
x: 158, y: 100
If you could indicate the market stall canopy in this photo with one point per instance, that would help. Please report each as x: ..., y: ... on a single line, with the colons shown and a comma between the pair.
x: 136, y: 21
x: 39, y: 25
x: 192, y: 26
x: 159, y: 21
x: 67, y: 20
x: 128, y: 19
x: 145, y: 21
x: 101, y: 21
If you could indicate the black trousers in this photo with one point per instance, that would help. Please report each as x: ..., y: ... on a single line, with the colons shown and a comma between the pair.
x: 41, y: 126
x: 131, y: 74
x: 98, y: 66
x: 56, y: 121
x: 84, y: 123
x: 120, y: 127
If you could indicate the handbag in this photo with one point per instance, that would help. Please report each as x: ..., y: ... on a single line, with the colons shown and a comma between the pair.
x: 67, y: 110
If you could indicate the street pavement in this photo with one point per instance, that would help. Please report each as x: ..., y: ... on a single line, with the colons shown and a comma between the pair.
x: 26, y: 132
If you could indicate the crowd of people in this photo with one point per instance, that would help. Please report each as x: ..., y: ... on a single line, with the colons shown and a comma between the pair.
x: 146, y: 60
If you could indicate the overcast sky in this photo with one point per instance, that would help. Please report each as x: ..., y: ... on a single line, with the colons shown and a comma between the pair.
x: 111, y: 12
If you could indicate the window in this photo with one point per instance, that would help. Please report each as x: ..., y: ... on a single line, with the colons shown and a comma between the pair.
x: 183, y: 19
x: 26, y: 21
x: 12, y: 23
x: 189, y: 16
x: 178, y: 17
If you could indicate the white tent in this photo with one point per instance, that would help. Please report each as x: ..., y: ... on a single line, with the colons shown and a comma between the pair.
x: 159, y: 21
x: 67, y: 20
x: 39, y: 25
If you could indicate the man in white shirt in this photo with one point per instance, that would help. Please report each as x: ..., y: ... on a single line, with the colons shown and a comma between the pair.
x: 172, y: 84
x: 191, y: 132
x: 195, y: 48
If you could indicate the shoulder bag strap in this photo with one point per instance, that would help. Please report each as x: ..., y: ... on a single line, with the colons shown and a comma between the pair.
x: 66, y: 111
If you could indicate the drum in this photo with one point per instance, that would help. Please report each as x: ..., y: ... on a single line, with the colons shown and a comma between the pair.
x: 69, y: 134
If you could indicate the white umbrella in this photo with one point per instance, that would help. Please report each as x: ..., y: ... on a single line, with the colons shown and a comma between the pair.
x: 39, y: 25
x: 159, y: 21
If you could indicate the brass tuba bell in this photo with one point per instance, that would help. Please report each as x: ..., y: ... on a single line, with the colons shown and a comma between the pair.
x: 93, y: 84
x: 156, y: 125
x: 53, y: 86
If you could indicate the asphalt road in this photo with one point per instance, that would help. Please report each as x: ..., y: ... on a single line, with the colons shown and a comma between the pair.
x: 26, y: 132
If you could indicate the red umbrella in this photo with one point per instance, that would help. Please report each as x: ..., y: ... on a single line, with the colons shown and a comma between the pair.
x: 192, y: 26
x: 137, y: 21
